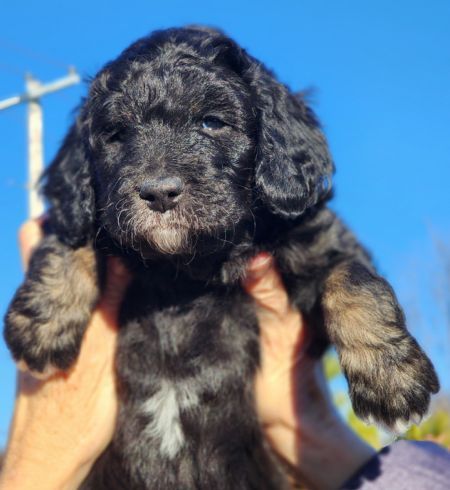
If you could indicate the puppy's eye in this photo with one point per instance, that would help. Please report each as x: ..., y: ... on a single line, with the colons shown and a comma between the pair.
x: 212, y: 123
x: 117, y: 136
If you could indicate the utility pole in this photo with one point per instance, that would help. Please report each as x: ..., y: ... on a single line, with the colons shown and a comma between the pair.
x: 34, y: 91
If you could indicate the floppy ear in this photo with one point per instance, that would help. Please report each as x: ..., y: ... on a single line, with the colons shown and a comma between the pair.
x: 294, y: 168
x: 69, y: 190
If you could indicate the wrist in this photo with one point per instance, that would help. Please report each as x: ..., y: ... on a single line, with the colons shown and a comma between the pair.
x: 308, y: 449
x: 336, y: 447
x: 26, y: 474
x: 310, y: 435
x: 38, y: 456
x: 28, y: 467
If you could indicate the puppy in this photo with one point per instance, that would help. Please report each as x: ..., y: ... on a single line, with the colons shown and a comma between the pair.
x: 186, y: 159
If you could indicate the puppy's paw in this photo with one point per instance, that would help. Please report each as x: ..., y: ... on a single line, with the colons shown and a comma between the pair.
x: 391, y: 389
x: 42, y: 342
x: 390, y: 378
x: 46, y: 320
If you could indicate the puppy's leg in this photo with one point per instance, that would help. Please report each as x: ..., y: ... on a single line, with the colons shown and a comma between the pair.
x: 46, y: 320
x: 389, y: 376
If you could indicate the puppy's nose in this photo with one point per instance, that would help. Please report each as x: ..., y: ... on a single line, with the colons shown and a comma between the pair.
x: 162, y: 193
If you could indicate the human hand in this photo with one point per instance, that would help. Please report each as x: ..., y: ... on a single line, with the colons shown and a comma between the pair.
x: 293, y: 403
x: 68, y: 419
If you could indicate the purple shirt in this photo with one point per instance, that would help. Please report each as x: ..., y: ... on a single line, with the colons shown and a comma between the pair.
x: 405, y: 465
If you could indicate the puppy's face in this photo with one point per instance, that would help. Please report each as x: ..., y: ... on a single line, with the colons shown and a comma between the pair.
x: 172, y: 142
x: 180, y: 140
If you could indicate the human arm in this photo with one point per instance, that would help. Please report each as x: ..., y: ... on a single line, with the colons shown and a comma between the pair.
x: 61, y: 425
x: 293, y: 402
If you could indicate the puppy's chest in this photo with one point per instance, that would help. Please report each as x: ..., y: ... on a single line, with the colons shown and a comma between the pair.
x: 180, y: 328
x: 180, y: 353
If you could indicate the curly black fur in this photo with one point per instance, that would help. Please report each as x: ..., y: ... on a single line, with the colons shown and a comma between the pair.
x: 187, y: 158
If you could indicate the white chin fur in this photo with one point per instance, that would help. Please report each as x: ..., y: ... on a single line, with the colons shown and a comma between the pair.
x: 169, y: 240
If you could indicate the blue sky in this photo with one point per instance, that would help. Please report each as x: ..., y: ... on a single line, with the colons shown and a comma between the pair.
x: 381, y: 73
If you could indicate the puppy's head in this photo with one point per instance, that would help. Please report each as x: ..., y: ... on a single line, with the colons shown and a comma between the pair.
x: 183, y: 137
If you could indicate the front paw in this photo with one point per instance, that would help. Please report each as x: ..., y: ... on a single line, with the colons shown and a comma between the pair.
x: 391, y: 387
x: 390, y: 378
x: 42, y: 339
x: 46, y: 320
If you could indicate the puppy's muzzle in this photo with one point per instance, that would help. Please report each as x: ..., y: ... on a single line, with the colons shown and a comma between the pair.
x: 162, y: 193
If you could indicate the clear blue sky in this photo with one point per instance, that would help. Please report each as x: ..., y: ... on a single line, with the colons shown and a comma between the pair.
x: 382, y: 74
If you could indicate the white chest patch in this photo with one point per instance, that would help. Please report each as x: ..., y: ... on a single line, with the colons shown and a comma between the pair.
x: 164, y: 407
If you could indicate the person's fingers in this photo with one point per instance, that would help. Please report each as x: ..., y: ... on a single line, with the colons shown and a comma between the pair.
x: 30, y: 234
x: 282, y: 329
x: 263, y: 282
x: 117, y: 280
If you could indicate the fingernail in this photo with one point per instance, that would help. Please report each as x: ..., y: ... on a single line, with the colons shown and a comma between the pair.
x: 259, y: 265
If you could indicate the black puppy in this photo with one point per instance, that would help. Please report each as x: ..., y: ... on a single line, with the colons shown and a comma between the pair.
x: 186, y: 159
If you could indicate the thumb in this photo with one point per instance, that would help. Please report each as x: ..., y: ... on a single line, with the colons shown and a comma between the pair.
x: 263, y: 282
x: 30, y: 234
x: 117, y: 280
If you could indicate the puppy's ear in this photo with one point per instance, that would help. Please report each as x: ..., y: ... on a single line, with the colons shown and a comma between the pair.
x: 69, y: 190
x: 294, y: 168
